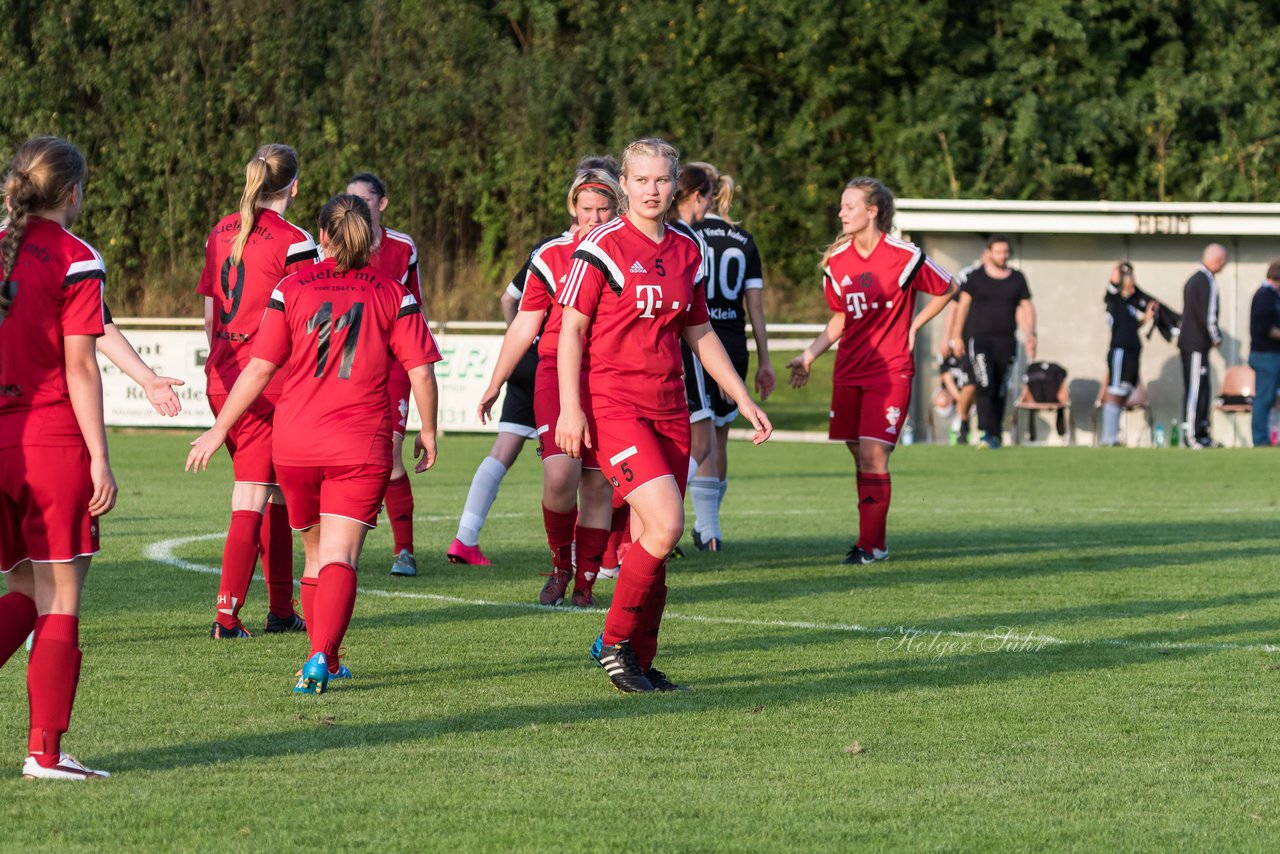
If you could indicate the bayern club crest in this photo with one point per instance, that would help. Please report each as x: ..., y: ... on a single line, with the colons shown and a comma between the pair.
x: 892, y: 414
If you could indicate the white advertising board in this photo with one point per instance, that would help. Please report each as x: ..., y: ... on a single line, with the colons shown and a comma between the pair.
x: 462, y: 376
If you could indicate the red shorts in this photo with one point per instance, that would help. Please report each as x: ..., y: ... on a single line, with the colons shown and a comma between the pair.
x: 310, y: 492
x: 44, y: 505
x: 546, y: 412
x: 249, y: 440
x: 398, y: 389
x: 875, y: 413
x: 634, y: 451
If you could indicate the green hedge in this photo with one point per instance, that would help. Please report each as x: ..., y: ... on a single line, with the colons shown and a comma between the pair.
x: 475, y: 112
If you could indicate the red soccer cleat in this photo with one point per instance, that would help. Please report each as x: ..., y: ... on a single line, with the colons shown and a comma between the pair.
x: 471, y: 555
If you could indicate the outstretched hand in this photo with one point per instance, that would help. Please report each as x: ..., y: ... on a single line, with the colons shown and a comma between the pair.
x: 424, y: 450
x: 203, y: 448
x: 161, y: 395
x: 799, y: 372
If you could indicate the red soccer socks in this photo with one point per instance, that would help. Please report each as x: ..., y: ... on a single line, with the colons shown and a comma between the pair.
x: 238, y: 558
x: 277, y: 560
x: 873, y: 510
x: 399, y: 502
x: 334, y: 603
x: 52, y: 676
x: 635, y: 610
x: 560, y: 535
x: 591, y: 545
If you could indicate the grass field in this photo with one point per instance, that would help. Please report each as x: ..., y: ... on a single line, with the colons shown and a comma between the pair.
x: 1092, y: 673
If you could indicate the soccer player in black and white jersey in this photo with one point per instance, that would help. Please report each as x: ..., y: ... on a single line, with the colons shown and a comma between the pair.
x: 1128, y: 310
x: 690, y: 203
x: 735, y: 290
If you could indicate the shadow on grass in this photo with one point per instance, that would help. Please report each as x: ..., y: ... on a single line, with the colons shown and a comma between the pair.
x: 778, y: 688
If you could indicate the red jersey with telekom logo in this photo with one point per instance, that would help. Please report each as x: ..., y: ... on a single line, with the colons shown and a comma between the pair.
x: 397, y: 258
x: 877, y: 295
x: 640, y: 296
x: 58, y: 281
x: 548, y: 271
x: 240, y: 291
x: 337, y: 334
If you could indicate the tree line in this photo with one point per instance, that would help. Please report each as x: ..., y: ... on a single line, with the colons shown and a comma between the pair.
x: 475, y: 112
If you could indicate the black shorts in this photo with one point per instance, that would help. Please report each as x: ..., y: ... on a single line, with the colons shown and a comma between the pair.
x: 517, y: 407
x: 695, y: 386
x: 960, y: 368
x: 723, y: 409
x: 1122, y: 370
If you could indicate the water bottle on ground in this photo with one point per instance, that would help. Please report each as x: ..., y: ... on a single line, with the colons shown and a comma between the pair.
x: 1173, y: 434
x: 1159, y: 437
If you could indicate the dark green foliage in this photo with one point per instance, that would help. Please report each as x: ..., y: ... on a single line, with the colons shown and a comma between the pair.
x: 475, y: 112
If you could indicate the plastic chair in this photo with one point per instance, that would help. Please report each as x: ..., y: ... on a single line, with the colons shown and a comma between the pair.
x: 1236, y: 397
x: 1138, y: 400
x: 1060, y: 404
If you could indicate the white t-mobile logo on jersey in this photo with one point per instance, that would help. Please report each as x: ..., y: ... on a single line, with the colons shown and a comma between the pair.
x: 856, y: 301
x: 648, y: 297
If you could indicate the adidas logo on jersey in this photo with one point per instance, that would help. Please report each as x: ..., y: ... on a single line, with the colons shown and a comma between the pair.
x: 637, y: 267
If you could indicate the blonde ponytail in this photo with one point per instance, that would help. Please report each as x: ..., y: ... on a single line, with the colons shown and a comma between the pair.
x: 722, y: 195
x: 348, y: 231
x: 267, y: 176
x: 44, y: 173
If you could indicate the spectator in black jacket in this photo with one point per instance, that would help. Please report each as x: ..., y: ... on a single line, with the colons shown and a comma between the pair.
x: 1264, y: 352
x: 1198, y: 336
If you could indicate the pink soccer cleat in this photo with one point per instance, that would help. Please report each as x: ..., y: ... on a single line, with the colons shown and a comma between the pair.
x: 459, y: 552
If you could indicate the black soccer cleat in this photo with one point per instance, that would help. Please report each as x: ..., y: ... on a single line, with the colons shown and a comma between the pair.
x: 220, y: 632
x: 660, y: 682
x: 292, y: 623
x: 710, y: 544
x: 859, y: 556
x: 619, y: 661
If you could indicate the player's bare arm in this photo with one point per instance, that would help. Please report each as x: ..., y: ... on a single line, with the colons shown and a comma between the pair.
x: 159, y: 390
x: 931, y: 310
x: 249, y: 386
x: 422, y: 380
x: 84, y: 387
x: 799, y: 366
x: 706, y: 345
x: 766, y: 378
x: 571, y: 429
x: 520, y: 334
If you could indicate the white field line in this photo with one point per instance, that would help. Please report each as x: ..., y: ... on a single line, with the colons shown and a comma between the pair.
x: 163, y: 552
x: 1090, y: 511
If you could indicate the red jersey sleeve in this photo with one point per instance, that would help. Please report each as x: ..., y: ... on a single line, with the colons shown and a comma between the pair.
x: 538, y: 286
x: 82, y: 287
x: 411, y: 279
x: 831, y: 291
x: 931, y: 279
x: 207, y: 275
x: 273, y: 341
x: 592, y: 271
x: 302, y: 253
x: 698, y: 313
x: 411, y: 340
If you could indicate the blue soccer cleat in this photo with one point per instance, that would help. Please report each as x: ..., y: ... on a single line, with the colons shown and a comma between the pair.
x: 315, y: 675
x: 597, y: 650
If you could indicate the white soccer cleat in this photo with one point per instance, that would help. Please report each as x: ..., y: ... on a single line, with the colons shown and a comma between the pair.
x: 68, y: 768
x: 611, y: 572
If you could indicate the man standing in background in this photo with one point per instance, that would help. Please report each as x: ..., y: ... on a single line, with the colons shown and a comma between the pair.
x: 1199, y: 335
x: 1264, y: 353
x: 994, y: 301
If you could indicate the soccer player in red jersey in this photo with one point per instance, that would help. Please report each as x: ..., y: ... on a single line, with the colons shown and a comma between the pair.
x: 395, y: 255
x: 55, y: 475
x: 335, y: 328
x: 246, y: 256
x: 870, y: 279
x: 634, y: 293
x: 593, y: 200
